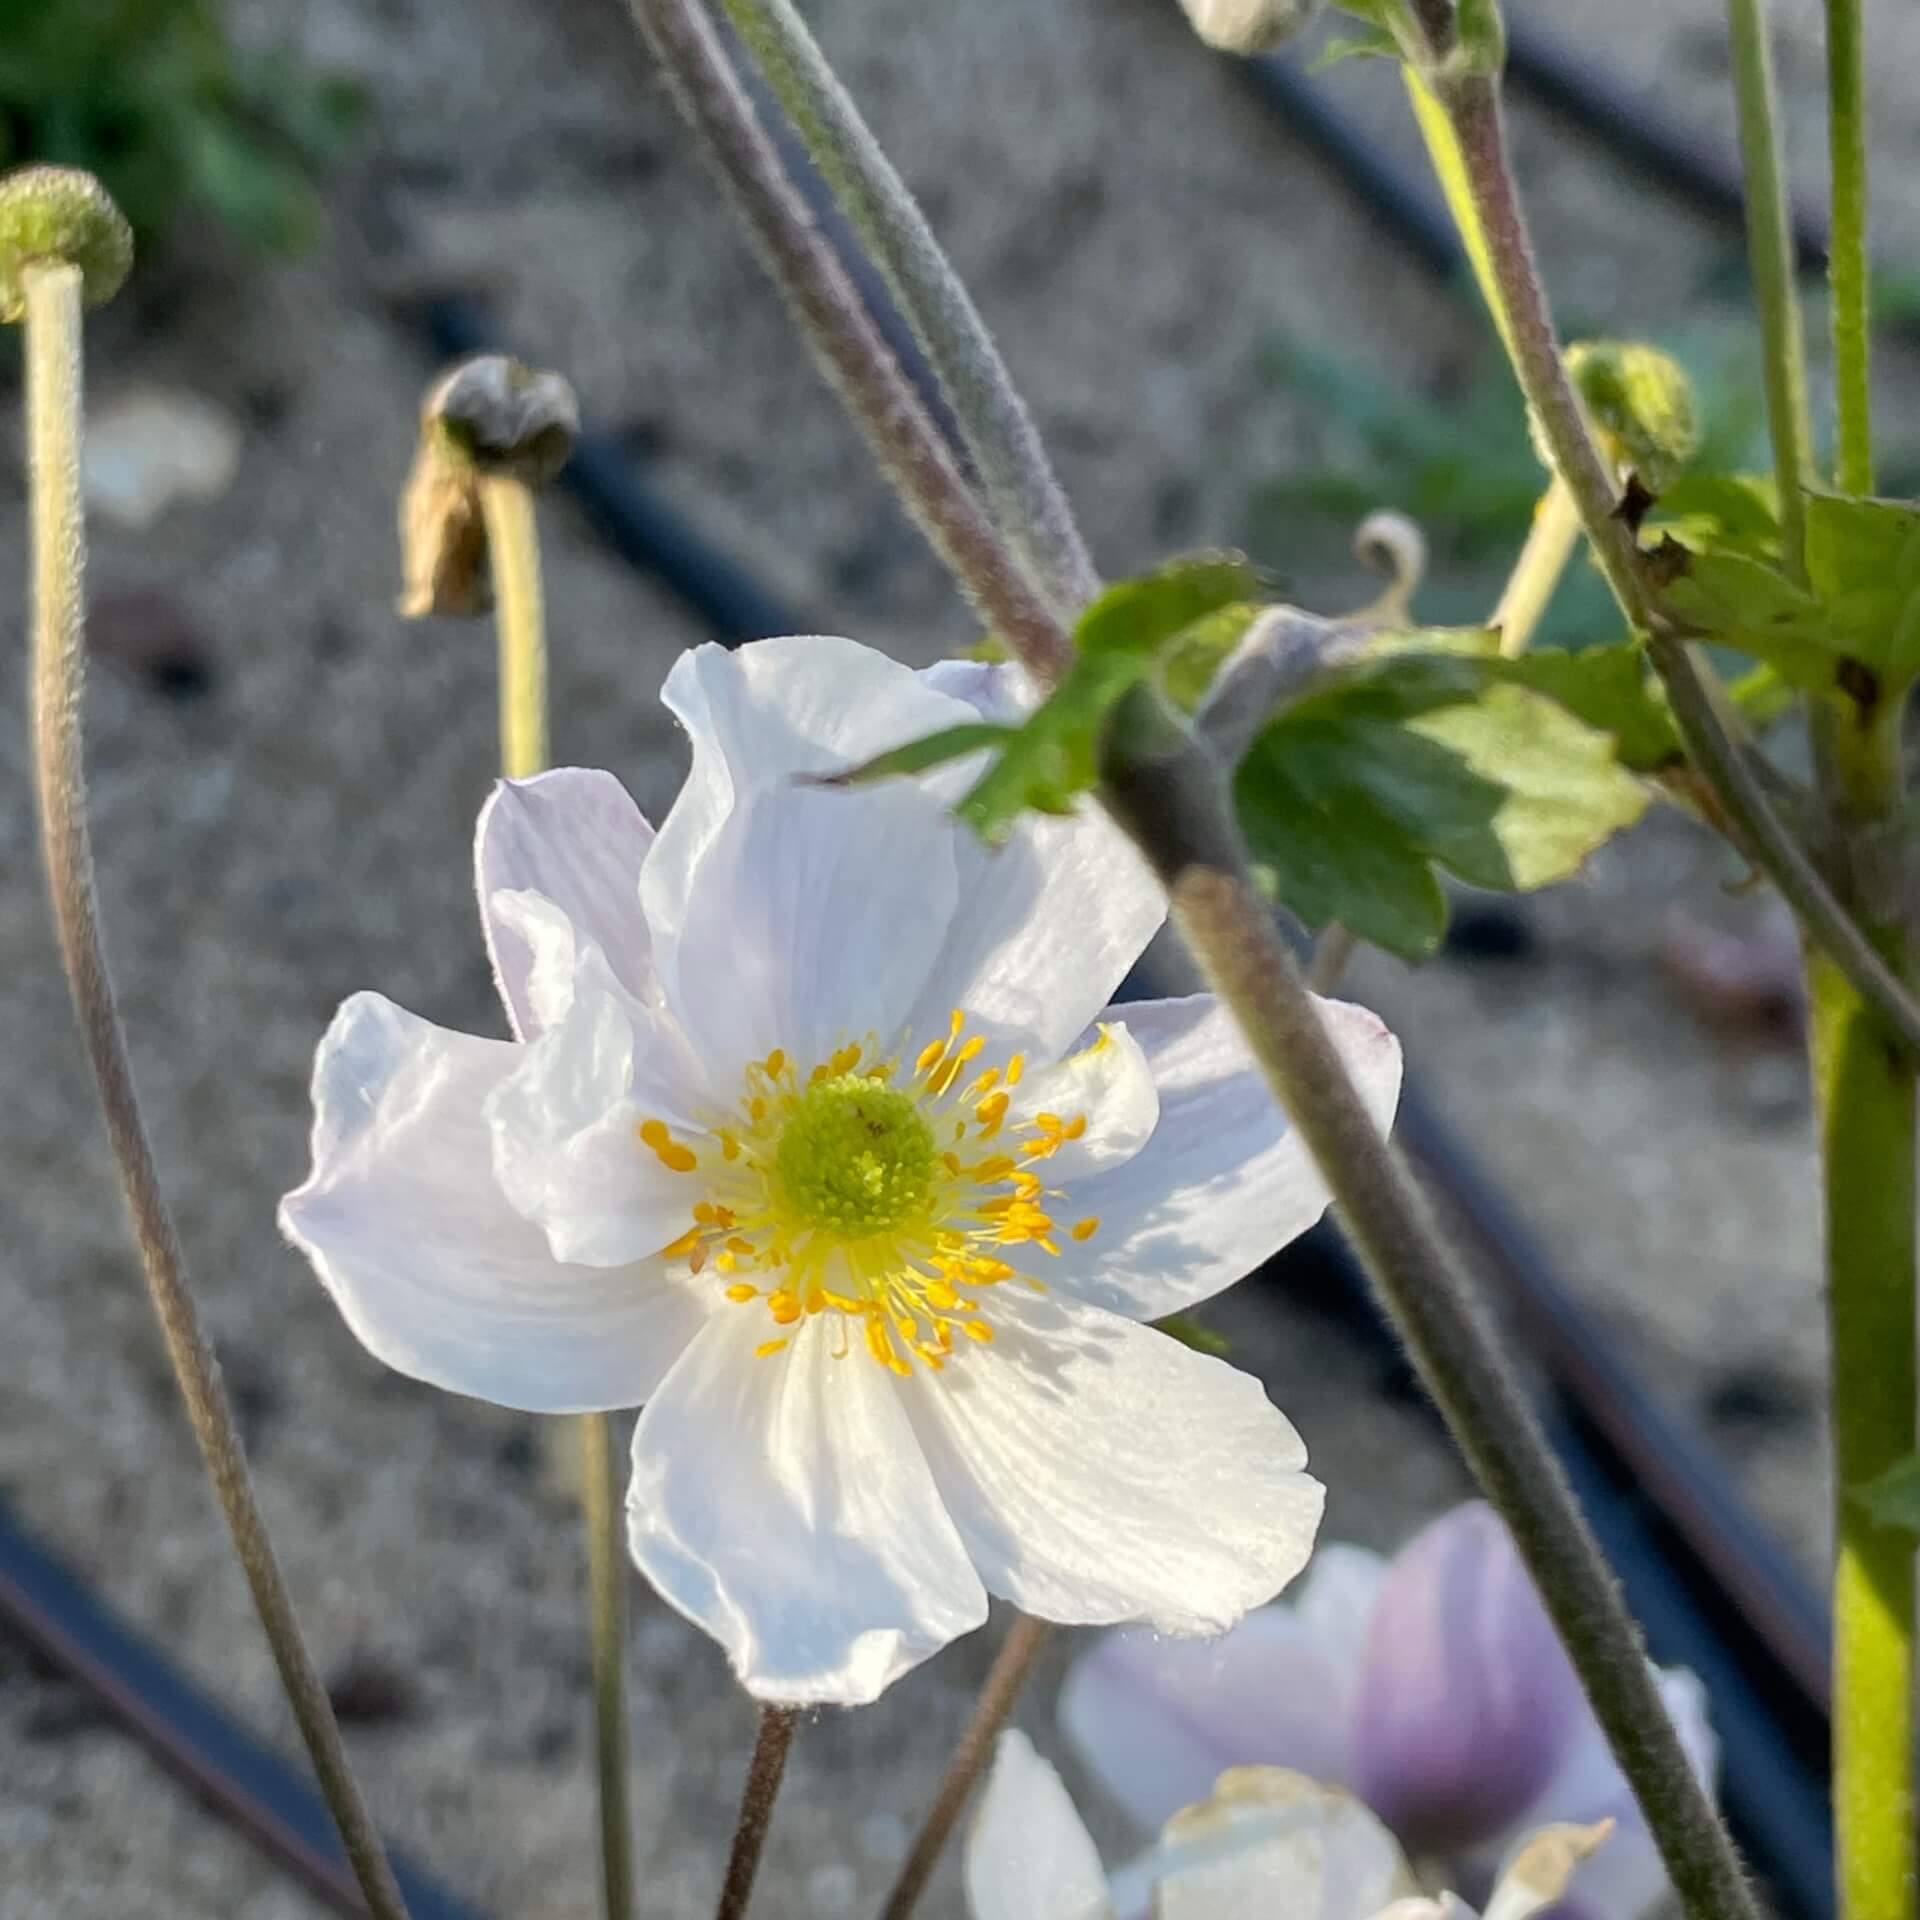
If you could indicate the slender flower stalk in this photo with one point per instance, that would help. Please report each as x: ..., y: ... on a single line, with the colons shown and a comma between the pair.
x: 1770, y: 255
x: 512, y: 444
x: 513, y: 554
x: 1550, y: 542
x: 998, y: 1693
x: 1016, y: 479
x: 51, y: 291
x: 1848, y: 260
x: 844, y: 339
x: 765, y: 1771
x: 1164, y: 791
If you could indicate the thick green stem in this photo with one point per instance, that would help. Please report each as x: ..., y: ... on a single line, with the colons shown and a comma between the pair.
x: 1167, y: 794
x: 59, y: 655
x: 513, y: 558
x: 1016, y: 478
x: 1848, y: 264
x: 1864, y: 1087
x: 1770, y: 253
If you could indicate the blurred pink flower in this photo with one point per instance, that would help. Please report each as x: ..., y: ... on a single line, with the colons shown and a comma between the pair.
x: 1432, y: 1686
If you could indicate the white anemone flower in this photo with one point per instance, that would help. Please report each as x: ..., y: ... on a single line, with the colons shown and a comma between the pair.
x: 819, y: 1138
x: 1266, y: 1844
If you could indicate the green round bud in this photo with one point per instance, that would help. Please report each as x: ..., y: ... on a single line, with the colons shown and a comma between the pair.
x: 1642, y: 402
x: 504, y: 416
x: 65, y: 214
x: 1248, y: 26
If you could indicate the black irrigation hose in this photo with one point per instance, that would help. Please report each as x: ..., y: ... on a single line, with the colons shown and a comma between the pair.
x: 270, y: 1797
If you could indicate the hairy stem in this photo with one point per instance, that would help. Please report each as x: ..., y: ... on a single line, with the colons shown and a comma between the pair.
x: 1848, y: 261
x: 842, y: 334
x: 513, y: 557
x: 1770, y: 255
x: 1536, y: 575
x: 764, y: 1773
x: 1167, y: 794
x: 1022, y: 495
x: 59, y: 655
x: 1001, y: 1688
x: 607, y: 1637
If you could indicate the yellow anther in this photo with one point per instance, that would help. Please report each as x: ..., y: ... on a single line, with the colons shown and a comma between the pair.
x: 742, y: 1290
x: 970, y: 1048
x: 985, y: 1084
x: 955, y: 1021
x: 928, y: 1054
x: 676, y: 1249
x: 977, y: 1330
x: 784, y: 1306
x: 1048, y: 1122
x: 1075, y: 1127
x: 1045, y: 1245
x: 1087, y: 1228
x: 846, y: 1059
x: 757, y: 1107
x: 744, y: 1248
x: 776, y: 1063
x: 991, y: 1111
x: 1015, y: 1068
x: 766, y: 1347
x: 729, y: 1146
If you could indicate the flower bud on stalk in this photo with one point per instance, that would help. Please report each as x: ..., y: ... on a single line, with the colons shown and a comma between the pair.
x: 1641, y: 401
x: 60, y: 213
x: 488, y: 415
x: 1248, y: 26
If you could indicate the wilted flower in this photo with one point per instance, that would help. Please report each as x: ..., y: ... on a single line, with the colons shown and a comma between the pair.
x: 1264, y: 1844
x: 821, y: 1140
x: 1432, y: 1686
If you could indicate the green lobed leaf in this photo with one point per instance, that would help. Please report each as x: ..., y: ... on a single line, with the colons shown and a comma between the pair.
x: 1438, y: 755
x: 1893, y: 1500
x: 1863, y: 560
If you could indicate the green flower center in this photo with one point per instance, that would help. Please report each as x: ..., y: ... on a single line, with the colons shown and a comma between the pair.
x: 856, y: 1157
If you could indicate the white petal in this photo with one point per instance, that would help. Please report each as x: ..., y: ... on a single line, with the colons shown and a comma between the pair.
x: 757, y: 716
x: 1047, y: 927
x: 565, y: 1128
x: 1099, y: 1471
x: 1225, y: 1181
x: 574, y: 837
x: 1029, y: 1855
x: 431, y: 1268
x: 1108, y: 1084
x: 1158, y: 1720
x: 1271, y: 1842
x: 781, y: 1502
x: 815, y: 918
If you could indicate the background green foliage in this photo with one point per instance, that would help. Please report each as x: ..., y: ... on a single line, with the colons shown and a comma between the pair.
x: 153, y: 97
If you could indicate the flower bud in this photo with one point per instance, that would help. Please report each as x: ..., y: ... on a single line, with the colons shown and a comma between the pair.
x: 488, y: 415
x: 1248, y: 26
x: 60, y: 213
x: 1467, y: 1699
x: 1642, y: 402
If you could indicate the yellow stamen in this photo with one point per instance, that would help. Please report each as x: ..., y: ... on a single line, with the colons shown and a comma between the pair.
x: 1087, y: 1228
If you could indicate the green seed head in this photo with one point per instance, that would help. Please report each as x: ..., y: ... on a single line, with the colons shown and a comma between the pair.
x: 60, y: 214
x: 855, y: 1157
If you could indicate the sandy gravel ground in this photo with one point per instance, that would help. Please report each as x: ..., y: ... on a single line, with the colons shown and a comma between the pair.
x: 1139, y: 231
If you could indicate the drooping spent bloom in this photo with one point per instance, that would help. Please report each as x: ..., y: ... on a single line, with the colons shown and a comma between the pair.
x: 1264, y: 1844
x: 1432, y: 1686
x: 820, y: 1138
